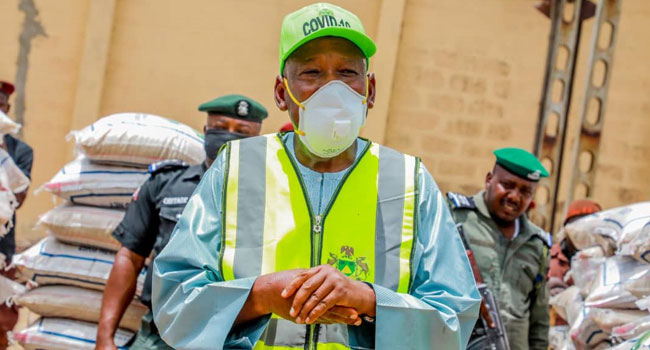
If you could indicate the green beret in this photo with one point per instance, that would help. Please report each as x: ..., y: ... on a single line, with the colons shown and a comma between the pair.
x: 236, y: 106
x: 521, y: 163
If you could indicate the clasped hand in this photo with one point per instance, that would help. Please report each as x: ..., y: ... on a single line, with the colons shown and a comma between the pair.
x: 323, y: 294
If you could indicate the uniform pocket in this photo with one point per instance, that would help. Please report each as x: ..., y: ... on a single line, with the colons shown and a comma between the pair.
x: 171, y: 213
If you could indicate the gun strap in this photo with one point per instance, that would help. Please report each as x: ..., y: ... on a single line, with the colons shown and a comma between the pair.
x: 470, y: 254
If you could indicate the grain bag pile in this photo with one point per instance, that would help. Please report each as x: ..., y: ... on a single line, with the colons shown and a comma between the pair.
x: 608, y: 305
x: 67, y: 271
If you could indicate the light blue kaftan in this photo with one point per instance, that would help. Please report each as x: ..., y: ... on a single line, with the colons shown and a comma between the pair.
x: 195, y: 309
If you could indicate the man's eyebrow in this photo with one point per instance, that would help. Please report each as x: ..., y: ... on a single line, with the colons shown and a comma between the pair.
x: 302, y: 59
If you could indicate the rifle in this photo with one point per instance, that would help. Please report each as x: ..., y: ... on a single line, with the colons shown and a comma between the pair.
x: 488, y: 333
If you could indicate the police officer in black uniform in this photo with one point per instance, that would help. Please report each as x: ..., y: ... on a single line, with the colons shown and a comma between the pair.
x: 152, y: 215
x: 23, y: 156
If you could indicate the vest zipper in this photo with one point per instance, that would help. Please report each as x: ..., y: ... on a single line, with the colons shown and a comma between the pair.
x: 317, y: 228
x: 312, y: 341
x: 317, y: 225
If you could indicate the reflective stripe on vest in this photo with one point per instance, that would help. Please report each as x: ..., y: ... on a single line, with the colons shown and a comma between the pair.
x: 367, y: 231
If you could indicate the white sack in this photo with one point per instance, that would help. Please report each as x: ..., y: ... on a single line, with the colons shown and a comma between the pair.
x: 64, y: 334
x: 641, y: 343
x: 139, y: 139
x: 9, y: 289
x: 53, y: 262
x: 564, y: 301
x: 635, y: 239
x: 77, y: 303
x: 558, y: 338
x: 643, y: 304
x: 633, y: 329
x: 620, y: 282
x: 12, y: 180
x: 594, y: 326
x: 11, y: 177
x: 605, y: 228
x: 7, y: 126
x: 83, y: 182
x: 585, y: 266
x: 83, y: 225
x: 8, y: 205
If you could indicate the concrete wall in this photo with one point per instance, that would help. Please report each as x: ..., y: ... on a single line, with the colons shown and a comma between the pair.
x: 49, y: 90
x: 456, y: 79
x: 469, y: 80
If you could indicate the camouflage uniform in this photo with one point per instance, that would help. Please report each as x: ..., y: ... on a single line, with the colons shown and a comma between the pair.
x: 514, y: 270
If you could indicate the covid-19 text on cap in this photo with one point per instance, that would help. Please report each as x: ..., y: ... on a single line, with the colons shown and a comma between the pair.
x: 318, y: 23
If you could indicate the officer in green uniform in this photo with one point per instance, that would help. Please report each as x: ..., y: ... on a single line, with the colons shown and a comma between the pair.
x: 511, y: 252
x: 154, y: 210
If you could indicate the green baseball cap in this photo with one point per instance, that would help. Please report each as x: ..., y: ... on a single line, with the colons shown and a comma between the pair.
x: 521, y: 163
x: 319, y: 20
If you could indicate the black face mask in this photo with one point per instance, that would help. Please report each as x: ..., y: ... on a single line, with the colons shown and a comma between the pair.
x: 215, y: 138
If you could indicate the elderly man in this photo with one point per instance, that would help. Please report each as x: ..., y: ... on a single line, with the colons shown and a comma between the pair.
x: 153, y: 213
x: 316, y: 239
x: 511, y: 252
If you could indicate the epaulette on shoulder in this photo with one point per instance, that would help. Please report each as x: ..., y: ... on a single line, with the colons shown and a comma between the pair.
x: 545, y: 237
x: 460, y: 201
x: 167, y: 165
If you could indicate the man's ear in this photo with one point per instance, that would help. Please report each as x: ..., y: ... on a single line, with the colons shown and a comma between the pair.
x: 279, y: 94
x: 488, y: 178
x: 205, y: 127
x: 8, y: 108
x: 372, y: 90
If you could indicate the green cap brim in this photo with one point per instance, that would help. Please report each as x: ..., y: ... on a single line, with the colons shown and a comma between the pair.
x: 365, y: 44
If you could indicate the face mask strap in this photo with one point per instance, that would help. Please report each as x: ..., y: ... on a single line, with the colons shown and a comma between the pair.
x: 295, y: 127
x: 286, y: 85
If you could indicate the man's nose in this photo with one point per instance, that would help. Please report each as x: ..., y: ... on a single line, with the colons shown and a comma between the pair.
x: 329, y: 75
x: 514, y: 195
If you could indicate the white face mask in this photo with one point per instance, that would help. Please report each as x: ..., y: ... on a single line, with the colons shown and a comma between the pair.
x: 331, y: 118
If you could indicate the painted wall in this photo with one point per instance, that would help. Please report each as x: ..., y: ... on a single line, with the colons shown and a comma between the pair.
x: 465, y: 77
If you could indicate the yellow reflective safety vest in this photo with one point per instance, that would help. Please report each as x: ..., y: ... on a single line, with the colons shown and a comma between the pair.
x: 367, y: 231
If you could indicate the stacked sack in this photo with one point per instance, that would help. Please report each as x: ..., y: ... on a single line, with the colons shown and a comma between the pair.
x: 12, y: 180
x: 608, y: 306
x: 8, y: 126
x: 71, y: 266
